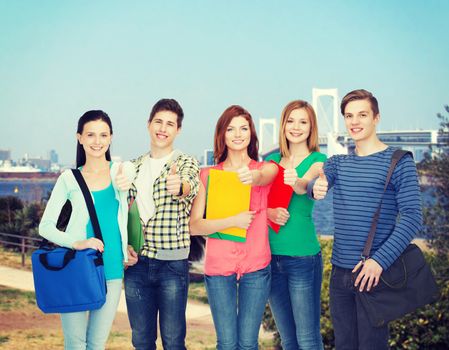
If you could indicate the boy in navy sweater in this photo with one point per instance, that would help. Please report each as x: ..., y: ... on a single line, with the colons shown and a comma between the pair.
x: 358, y: 180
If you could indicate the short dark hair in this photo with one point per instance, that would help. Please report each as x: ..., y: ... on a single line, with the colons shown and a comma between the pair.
x: 360, y: 94
x: 168, y: 104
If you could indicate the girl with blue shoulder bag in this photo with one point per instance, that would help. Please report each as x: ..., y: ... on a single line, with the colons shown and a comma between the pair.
x: 93, y: 249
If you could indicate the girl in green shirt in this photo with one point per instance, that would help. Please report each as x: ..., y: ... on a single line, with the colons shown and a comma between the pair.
x: 296, y: 263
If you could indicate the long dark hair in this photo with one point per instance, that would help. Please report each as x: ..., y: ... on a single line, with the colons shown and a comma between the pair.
x: 220, y: 148
x: 87, y: 117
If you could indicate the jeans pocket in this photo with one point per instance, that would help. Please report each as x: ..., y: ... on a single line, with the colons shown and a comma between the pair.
x: 178, y: 267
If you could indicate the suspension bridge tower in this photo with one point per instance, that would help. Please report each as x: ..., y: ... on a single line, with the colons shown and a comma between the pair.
x: 325, y: 104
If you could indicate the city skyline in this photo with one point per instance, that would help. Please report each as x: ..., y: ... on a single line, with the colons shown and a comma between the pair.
x: 60, y: 59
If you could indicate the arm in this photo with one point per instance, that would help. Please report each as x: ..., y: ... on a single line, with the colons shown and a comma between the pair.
x: 299, y: 184
x: 189, y: 173
x: 47, y: 226
x: 183, y: 178
x: 258, y: 177
x: 201, y: 226
x: 318, y: 187
x: 408, y: 198
x: 122, y: 175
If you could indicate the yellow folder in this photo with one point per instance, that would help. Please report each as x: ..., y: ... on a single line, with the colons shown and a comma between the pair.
x: 227, y: 196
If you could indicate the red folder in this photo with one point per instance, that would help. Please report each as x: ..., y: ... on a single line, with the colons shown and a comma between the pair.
x: 279, y: 196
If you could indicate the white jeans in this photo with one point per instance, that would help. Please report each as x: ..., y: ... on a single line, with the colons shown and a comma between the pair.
x: 89, y: 330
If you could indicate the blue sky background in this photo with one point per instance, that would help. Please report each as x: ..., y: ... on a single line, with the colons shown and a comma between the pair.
x: 61, y: 58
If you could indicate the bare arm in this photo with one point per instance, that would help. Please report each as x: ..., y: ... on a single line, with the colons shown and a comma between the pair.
x: 300, y: 185
x: 265, y: 175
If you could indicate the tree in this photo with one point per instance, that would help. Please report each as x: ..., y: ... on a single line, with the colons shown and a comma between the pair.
x: 436, y: 217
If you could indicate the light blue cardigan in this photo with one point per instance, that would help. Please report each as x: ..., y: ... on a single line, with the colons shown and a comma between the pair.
x: 65, y: 188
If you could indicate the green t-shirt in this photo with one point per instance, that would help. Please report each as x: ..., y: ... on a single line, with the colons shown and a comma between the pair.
x: 297, y: 237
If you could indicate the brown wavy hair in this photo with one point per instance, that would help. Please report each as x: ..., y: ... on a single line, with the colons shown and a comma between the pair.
x: 312, y: 141
x: 220, y: 148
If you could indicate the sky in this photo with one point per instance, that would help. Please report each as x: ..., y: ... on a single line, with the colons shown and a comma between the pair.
x: 59, y: 59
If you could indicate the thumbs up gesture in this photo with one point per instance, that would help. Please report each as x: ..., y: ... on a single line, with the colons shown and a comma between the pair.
x: 121, y: 180
x: 245, y: 175
x: 290, y: 175
x: 320, y: 186
x: 173, y: 181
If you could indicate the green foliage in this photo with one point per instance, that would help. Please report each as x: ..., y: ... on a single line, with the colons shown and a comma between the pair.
x: 19, y: 218
x: 8, y: 207
x: 3, y: 339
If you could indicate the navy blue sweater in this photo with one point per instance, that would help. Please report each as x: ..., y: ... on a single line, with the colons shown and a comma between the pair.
x: 358, y: 185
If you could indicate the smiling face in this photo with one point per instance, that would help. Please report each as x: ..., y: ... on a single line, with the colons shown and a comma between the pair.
x: 238, y: 134
x: 297, y: 126
x: 95, y: 138
x: 163, y: 130
x: 360, y: 120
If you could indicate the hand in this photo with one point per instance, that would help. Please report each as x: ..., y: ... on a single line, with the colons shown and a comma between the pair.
x: 369, y: 275
x: 278, y: 215
x: 132, y: 257
x: 173, y: 181
x: 320, y: 186
x: 244, y: 219
x: 290, y: 177
x: 92, y: 243
x: 121, y: 180
x: 245, y: 175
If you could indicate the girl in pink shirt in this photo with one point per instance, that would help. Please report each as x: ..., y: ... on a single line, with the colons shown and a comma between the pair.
x: 237, y: 274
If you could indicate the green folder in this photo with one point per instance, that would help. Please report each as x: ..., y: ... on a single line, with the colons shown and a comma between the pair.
x: 135, y: 234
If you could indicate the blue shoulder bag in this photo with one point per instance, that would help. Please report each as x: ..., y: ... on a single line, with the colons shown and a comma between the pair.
x: 69, y: 280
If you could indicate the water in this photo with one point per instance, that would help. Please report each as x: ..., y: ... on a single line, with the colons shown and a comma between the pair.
x: 26, y: 190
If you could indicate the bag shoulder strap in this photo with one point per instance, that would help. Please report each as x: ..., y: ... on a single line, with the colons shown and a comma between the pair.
x: 395, y: 158
x: 89, y: 202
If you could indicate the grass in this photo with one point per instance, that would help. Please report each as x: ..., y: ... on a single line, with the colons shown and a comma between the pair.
x: 16, y: 305
x: 11, y: 258
x: 13, y: 299
x: 197, y: 292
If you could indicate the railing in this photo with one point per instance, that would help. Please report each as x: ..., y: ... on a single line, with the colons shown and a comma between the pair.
x: 24, y: 244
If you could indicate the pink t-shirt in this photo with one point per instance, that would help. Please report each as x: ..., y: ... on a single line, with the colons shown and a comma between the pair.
x: 225, y: 257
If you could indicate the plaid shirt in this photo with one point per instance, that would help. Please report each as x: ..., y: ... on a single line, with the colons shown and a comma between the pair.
x: 168, y: 228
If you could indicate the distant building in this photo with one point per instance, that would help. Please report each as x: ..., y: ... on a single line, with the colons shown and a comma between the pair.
x: 42, y: 164
x: 53, y: 156
x: 5, y: 154
x: 208, y: 157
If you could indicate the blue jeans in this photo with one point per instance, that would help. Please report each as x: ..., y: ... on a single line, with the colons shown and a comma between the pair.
x: 295, y: 300
x: 90, y: 329
x: 237, y: 307
x: 351, y: 325
x: 157, y: 286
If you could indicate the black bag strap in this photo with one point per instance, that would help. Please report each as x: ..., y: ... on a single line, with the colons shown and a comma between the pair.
x: 89, y: 202
x: 395, y: 158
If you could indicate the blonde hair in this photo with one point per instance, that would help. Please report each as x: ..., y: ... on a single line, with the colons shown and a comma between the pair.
x: 312, y: 140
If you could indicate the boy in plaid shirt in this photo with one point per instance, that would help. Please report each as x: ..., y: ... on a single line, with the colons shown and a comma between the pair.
x: 165, y: 185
